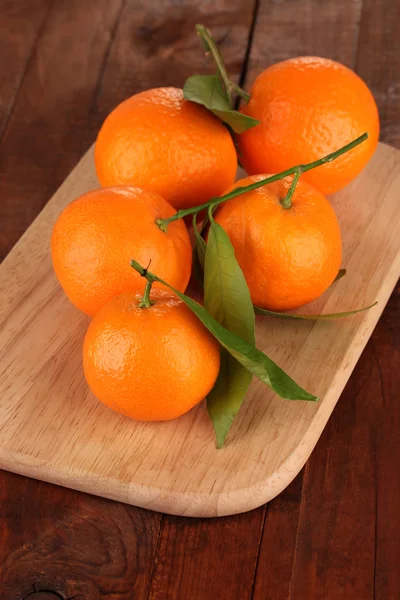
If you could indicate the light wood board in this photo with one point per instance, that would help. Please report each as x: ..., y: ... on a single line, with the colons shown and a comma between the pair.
x: 52, y: 428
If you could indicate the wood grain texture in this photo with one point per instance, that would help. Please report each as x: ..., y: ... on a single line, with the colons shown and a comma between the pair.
x: 334, y: 560
x: 380, y: 68
x: 75, y: 546
x: 291, y: 28
x: 52, y: 428
x: 193, y: 555
x: 21, y: 27
x: 378, y: 62
x: 47, y: 129
x: 386, y: 356
x: 278, y: 545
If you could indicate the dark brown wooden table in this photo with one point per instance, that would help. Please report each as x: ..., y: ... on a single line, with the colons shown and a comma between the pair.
x: 334, y: 533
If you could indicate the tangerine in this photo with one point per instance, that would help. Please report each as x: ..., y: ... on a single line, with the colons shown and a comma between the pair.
x: 97, y: 235
x: 149, y: 363
x: 161, y: 142
x: 289, y: 256
x: 307, y: 108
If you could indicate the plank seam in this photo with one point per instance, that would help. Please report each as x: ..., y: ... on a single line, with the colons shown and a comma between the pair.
x: 153, y: 566
x: 25, y: 70
x: 114, y: 30
x: 259, y: 551
x: 376, y: 356
x: 249, y: 46
x: 357, y: 37
x: 299, y: 522
x: 376, y: 522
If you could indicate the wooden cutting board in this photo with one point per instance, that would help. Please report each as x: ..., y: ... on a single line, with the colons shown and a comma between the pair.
x: 52, y: 428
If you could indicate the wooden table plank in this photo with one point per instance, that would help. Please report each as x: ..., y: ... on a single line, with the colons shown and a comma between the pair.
x: 47, y: 131
x: 336, y: 533
x: 386, y: 352
x: 119, y: 48
x: 378, y: 61
x: 22, y: 23
x: 342, y: 499
x: 278, y: 548
x: 304, y: 28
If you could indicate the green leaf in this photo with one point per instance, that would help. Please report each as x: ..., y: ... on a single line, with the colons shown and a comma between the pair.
x: 250, y: 357
x: 208, y: 91
x: 226, y: 295
x: 326, y: 317
x: 227, y: 299
x: 236, y: 120
x: 226, y: 397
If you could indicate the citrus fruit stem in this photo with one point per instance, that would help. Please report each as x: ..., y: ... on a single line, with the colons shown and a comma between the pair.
x: 163, y: 223
x: 240, y: 91
x: 145, y: 301
x: 144, y: 272
x: 286, y: 203
x: 211, y: 46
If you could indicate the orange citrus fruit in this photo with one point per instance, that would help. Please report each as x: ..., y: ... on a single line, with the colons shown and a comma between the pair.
x: 160, y: 142
x: 307, y: 108
x: 150, y: 364
x: 288, y: 256
x: 97, y: 235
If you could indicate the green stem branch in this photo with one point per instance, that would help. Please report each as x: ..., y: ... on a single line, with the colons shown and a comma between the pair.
x: 150, y: 277
x: 212, y: 47
x: 287, y: 200
x: 145, y: 301
x: 240, y: 91
x: 163, y: 223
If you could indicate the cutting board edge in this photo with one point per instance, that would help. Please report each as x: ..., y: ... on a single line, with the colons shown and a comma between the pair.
x: 184, y: 504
